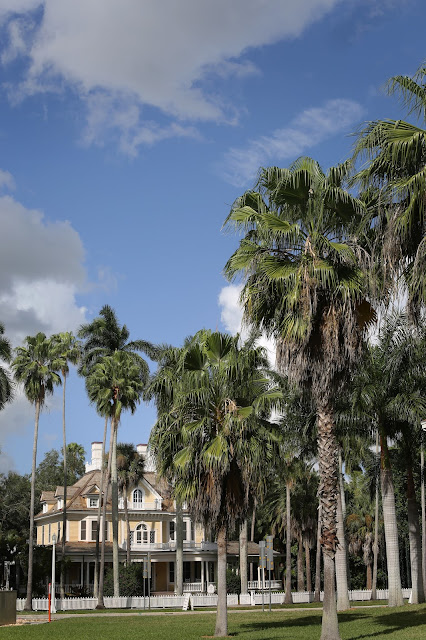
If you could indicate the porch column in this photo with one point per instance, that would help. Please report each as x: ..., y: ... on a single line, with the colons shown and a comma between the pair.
x: 87, y: 573
x: 82, y: 572
x: 202, y: 575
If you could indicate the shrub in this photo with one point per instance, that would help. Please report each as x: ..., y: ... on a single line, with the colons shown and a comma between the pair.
x: 233, y: 582
x: 131, y: 580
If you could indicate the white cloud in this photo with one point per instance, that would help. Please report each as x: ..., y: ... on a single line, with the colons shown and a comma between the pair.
x: 232, y: 316
x: 308, y: 129
x: 6, y: 180
x: 146, y: 54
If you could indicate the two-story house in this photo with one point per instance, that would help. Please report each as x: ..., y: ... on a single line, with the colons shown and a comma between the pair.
x: 152, y: 523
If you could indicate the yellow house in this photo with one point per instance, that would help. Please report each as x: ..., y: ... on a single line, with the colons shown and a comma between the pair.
x: 152, y: 518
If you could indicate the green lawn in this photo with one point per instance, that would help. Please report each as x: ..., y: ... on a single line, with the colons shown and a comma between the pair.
x: 404, y: 623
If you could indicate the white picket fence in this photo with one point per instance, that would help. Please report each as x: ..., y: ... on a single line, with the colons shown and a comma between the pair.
x: 177, y: 602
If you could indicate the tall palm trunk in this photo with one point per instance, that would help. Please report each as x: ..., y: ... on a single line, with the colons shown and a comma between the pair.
x: 29, y: 599
x: 391, y: 526
x: 417, y: 592
x: 114, y: 510
x: 317, y: 594
x: 328, y: 492
x: 126, y: 515
x: 243, y: 557
x: 98, y: 528
x: 253, y: 522
x: 308, y: 567
x: 341, y: 561
x: 179, y: 550
x: 100, y: 604
x: 288, y: 598
x: 300, y: 567
x: 64, y: 513
x: 222, y: 610
x: 422, y: 498
x: 376, y: 529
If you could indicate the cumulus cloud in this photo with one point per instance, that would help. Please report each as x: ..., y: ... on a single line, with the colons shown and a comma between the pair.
x: 147, y: 54
x: 308, y: 129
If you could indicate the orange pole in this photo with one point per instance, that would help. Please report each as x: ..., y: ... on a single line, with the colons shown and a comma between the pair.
x: 49, y: 600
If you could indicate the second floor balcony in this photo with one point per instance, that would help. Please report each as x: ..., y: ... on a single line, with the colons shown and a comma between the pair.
x: 141, y: 505
x: 137, y: 545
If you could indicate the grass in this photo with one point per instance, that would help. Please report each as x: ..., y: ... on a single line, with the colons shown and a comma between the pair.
x: 403, y: 623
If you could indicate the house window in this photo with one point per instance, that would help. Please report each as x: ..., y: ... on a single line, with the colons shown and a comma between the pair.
x: 83, y: 530
x: 93, y: 502
x: 172, y: 529
x: 137, y: 496
x: 187, y: 572
x: 192, y: 526
x: 94, y: 530
x: 152, y: 537
x: 184, y: 531
x: 141, y: 534
x: 171, y: 572
x: 106, y: 530
x: 42, y: 535
x: 59, y: 503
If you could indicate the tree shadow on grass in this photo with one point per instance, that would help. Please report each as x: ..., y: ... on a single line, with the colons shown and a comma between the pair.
x: 395, y: 621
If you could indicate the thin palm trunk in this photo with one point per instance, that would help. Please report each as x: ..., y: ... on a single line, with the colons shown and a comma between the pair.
x: 288, y: 598
x: 376, y: 529
x: 369, y: 578
x: 422, y: 497
x: 100, y: 604
x: 253, y: 522
x: 126, y: 515
x: 308, y: 567
x: 98, y: 528
x: 179, y: 550
x: 300, y: 567
x: 341, y: 561
x: 114, y: 501
x: 221, y: 629
x: 243, y: 557
x: 317, y: 594
x: 391, y: 526
x: 417, y: 592
x: 29, y: 599
x: 64, y: 513
x: 328, y: 491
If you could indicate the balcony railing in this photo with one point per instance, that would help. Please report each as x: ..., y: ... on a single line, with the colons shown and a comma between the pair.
x: 255, y: 585
x: 170, y: 546
x: 156, y: 505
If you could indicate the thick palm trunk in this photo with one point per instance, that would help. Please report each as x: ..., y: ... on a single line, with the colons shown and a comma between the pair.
x: 317, y: 594
x: 376, y: 530
x: 64, y: 513
x: 243, y: 557
x: 369, y: 577
x: 101, y: 604
x: 222, y: 610
x: 29, y: 599
x: 300, y: 567
x: 417, y: 593
x: 98, y: 528
x: 126, y: 515
x: 288, y: 598
x: 114, y: 502
x: 391, y: 526
x: 341, y: 561
x: 422, y: 498
x: 308, y: 567
x: 179, y: 550
x: 328, y: 492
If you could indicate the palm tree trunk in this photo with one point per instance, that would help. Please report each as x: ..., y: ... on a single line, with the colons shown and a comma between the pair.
x: 328, y: 492
x: 422, y: 498
x: 376, y: 529
x: 221, y: 629
x: 417, y: 592
x: 288, y: 598
x: 98, y: 528
x: 391, y: 526
x: 29, y: 599
x: 114, y: 501
x: 101, y: 604
x: 253, y: 521
x: 308, y: 568
x: 64, y: 513
x: 317, y: 594
x: 243, y: 557
x: 369, y: 580
x: 341, y: 561
x: 126, y: 515
x: 300, y: 567
x: 179, y: 550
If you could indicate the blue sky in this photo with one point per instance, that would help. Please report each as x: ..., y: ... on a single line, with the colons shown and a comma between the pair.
x: 127, y: 129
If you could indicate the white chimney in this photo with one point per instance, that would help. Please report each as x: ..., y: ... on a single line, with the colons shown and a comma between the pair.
x: 143, y: 450
x: 96, y: 462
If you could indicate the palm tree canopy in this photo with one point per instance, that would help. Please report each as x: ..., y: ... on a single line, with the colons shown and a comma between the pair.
x: 116, y: 383
x: 66, y: 349
x: 130, y: 466
x: 305, y: 276
x: 35, y: 366
x: 6, y: 385
x: 216, y: 431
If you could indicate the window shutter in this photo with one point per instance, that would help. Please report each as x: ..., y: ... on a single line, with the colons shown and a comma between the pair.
x: 83, y: 530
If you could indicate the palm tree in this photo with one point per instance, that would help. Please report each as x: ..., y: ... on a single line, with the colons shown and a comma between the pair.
x: 35, y: 368
x: 114, y: 384
x: 130, y: 470
x: 6, y: 385
x: 395, y: 151
x: 305, y: 284
x: 65, y: 349
x: 103, y: 337
x: 220, y: 407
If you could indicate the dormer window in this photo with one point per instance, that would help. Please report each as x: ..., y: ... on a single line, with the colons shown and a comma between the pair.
x: 137, y: 497
x: 93, y: 502
x: 44, y: 507
x: 60, y: 503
